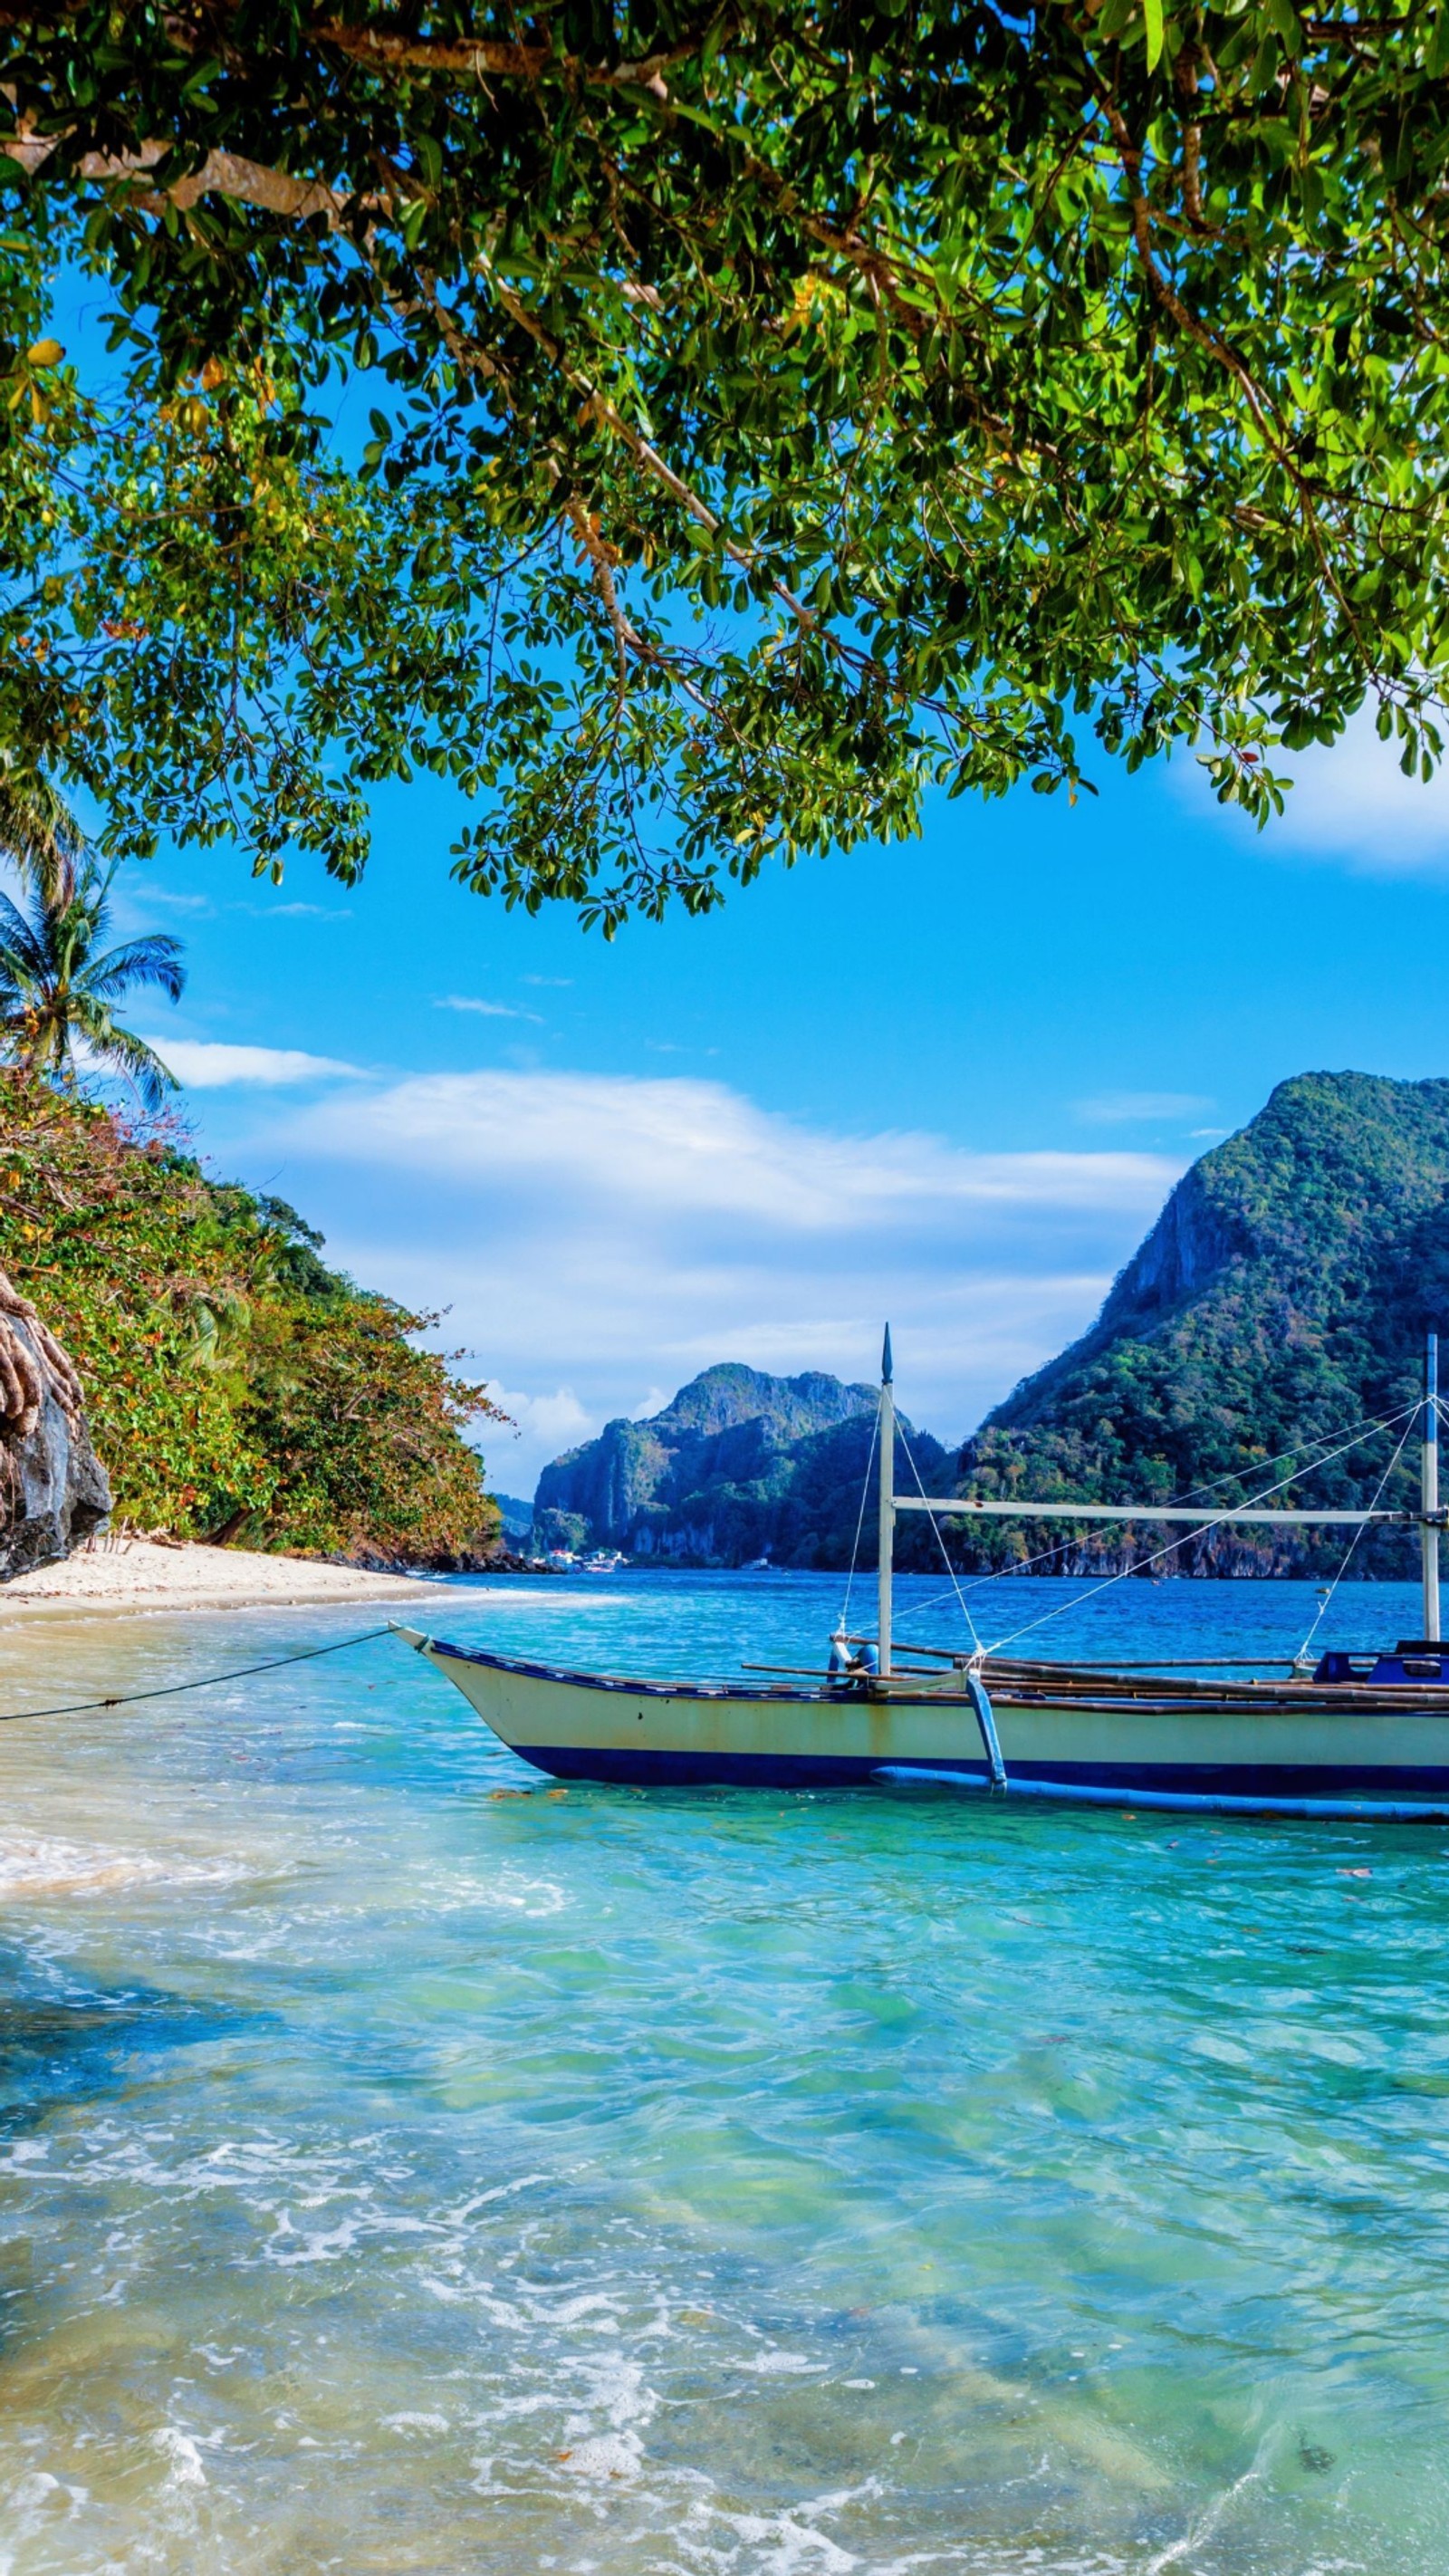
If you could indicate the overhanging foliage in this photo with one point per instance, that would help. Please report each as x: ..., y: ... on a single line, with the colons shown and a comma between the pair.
x: 774, y: 410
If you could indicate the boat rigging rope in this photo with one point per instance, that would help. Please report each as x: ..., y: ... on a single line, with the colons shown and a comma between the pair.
x: 859, y: 1523
x: 1327, y: 1597
x: 976, y: 1644
x: 208, y: 1681
x: 1350, y: 1435
x: 1173, y: 1544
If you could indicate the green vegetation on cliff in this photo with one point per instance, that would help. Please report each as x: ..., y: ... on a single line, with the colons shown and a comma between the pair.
x: 739, y: 1465
x: 235, y: 1386
x: 1281, y: 1297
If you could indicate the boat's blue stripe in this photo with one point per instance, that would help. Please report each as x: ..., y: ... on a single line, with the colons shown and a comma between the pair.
x: 644, y: 1769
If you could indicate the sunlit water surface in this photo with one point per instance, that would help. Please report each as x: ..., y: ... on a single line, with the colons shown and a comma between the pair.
x: 411, y: 2165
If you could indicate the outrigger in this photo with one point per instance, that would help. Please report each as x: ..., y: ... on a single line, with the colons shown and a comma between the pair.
x: 1356, y: 1735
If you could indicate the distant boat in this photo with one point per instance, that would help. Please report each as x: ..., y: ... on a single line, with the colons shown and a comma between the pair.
x: 603, y: 1561
x: 1359, y: 1735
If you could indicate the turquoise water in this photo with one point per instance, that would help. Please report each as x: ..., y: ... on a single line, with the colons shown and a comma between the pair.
x: 411, y: 2165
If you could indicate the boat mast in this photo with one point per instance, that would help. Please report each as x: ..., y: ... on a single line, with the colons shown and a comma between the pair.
x: 887, y: 1504
x: 1429, y: 1487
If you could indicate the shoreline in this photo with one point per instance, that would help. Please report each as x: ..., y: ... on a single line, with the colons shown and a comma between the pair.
x: 124, y: 1577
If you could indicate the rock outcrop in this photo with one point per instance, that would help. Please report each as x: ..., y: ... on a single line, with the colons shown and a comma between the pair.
x: 739, y: 1465
x: 53, y: 1488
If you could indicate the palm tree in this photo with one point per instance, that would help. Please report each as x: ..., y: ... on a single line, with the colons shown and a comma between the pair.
x: 57, y: 984
x: 38, y: 832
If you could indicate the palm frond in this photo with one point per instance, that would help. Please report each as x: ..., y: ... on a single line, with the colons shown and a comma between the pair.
x: 39, y: 834
x: 19, y: 938
x: 130, y: 1056
x: 58, y: 987
x: 153, y: 960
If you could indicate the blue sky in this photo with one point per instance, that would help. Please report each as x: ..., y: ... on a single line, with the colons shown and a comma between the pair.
x: 950, y: 1082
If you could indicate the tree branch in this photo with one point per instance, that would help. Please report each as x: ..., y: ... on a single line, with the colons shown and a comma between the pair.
x: 251, y: 182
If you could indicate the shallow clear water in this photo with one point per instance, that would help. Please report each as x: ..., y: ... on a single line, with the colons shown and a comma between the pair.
x: 408, y: 2164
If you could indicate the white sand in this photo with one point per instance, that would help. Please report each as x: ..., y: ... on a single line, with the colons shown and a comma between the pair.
x: 120, y: 1574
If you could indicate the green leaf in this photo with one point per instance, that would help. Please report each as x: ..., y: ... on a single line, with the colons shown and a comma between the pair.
x: 1152, y: 21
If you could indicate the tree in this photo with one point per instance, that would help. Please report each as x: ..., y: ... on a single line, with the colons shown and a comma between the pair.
x: 39, y: 835
x: 774, y: 411
x: 58, y: 987
x: 308, y: 1422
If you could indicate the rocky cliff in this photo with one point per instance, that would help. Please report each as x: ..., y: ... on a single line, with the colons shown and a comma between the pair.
x: 1281, y: 1296
x: 739, y: 1465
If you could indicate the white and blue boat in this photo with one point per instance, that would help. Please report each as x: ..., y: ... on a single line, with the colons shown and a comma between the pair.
x: 1354, y: 1735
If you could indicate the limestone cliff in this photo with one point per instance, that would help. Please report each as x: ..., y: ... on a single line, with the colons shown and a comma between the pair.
x: 739, y: 1465
x: 1282, y: 1294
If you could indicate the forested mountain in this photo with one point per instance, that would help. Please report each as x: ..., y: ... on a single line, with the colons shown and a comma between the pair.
x: 739, y: 1465
x: 1281, y: 1297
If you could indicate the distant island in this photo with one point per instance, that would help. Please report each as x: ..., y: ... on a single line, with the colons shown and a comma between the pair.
x: 739, y: 1466
x: 1281, y: 1296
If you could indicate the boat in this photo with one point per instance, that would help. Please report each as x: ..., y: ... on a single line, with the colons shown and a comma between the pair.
x: 1354, y: 1735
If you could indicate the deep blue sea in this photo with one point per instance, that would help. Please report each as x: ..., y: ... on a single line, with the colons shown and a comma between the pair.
x: 410, y: 2165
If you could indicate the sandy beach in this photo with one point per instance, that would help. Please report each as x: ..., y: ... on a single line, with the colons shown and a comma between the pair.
x: 122, y: 1575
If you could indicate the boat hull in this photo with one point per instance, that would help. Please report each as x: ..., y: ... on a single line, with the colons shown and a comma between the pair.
x: 651, y: 1734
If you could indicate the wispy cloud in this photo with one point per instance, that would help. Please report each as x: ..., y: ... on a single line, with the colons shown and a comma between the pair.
x: 1140, y: 1108
x: 207, y: 1066
x: 486, y: 1010
x: 298, y: 911
x: 554, y: 983
x: 170, y: 902
x: 700, y: 1146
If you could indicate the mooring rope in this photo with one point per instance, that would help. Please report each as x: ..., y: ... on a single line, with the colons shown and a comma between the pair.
x: 208, y: 1681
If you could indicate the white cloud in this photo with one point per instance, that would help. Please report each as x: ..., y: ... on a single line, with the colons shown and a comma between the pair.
x: 1134, y: 1108
x: 206, y: 1066
x: 544, y: 1426
x: 599, y: 1239
x: 485, y: 1010
x: 699, y: 1147
x: 1350, y: 805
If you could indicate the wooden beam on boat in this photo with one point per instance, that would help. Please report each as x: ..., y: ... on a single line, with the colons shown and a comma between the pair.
x: 1149, y: 1664
x: 964, y: 1506
x: 812, y: 1673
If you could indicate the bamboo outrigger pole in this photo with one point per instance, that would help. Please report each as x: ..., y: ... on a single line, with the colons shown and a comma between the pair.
x: 887, y: 1504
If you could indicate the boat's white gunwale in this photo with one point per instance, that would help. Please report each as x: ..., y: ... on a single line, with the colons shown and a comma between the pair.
x: 1337, y: 1699
x: 831, y: 1691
